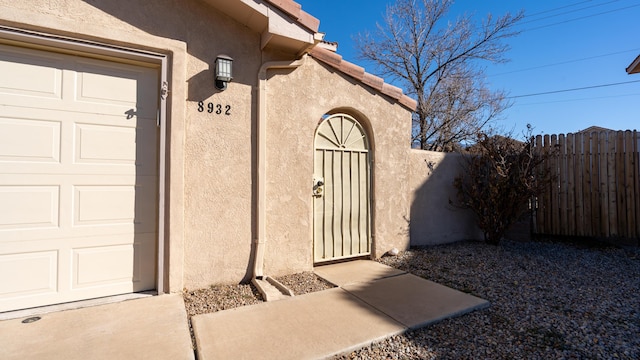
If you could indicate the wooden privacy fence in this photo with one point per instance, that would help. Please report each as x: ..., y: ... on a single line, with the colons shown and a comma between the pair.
x: 595, y: 190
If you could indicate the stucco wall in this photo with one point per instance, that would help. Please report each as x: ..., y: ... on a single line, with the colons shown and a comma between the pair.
x: 297, y: 100
x: 433, y: 219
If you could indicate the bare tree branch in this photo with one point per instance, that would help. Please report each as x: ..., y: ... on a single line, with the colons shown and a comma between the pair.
x: 437, y: 61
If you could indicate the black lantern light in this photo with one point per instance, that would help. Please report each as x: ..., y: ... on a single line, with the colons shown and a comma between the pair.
x: 223, y: 71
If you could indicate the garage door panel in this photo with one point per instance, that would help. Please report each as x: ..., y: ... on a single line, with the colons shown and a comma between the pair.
x: 30, y: 73
x: 29, y: 140
x: 114, y: 144
x: 29, y: 207
x: 105, y: 144
x: 104, y: 205
x: 28, y: 273
x: 98, y: 82
x: 100, y: 265
x: 103, y: 265
x: 78, y: 178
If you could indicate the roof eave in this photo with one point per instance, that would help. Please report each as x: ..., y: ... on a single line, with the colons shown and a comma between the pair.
x: 281, y: 23
x: 634, y: 67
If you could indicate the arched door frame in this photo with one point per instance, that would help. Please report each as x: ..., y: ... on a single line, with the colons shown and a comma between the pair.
x: 342, y: 188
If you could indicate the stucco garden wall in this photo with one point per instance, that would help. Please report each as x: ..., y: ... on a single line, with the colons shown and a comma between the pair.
x: 433, y: 219
x: 297, y: 100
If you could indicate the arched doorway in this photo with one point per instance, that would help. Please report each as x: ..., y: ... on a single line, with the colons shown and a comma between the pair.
x: 341, y: 188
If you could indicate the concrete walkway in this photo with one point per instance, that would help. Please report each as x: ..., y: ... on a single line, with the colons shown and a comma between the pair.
x: 149, y: 328
x: 372, y: 302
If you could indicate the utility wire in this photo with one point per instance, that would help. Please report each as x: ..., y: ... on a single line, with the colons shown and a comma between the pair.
x: 574, y: 89
x: 574, y: 100
x: 568, y: 12
x: 566, y: 62
x: 558, y: 8
x: 580, y: 18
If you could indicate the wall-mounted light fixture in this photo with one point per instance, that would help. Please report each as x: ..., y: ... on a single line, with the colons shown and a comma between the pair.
x: 223, y: 71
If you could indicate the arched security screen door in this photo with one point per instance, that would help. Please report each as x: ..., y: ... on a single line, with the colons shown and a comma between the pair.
x: 341, y: 190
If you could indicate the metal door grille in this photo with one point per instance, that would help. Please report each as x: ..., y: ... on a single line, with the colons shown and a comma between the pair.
x: 342, y: 208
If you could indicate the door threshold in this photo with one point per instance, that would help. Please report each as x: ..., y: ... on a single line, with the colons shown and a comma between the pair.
x: 15, y: 314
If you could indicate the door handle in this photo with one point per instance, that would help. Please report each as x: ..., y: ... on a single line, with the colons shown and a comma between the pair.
x: 318, y: 187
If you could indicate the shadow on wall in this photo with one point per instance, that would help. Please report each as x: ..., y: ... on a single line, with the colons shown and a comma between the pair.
x: 434, y: 220
x: 205, y: 30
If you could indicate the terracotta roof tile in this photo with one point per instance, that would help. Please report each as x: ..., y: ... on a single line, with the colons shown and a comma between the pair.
x: 390, y: 90
x: 352, y: 70
x: 373, y: 81
x: 326, y: 56
x: 334, y: 60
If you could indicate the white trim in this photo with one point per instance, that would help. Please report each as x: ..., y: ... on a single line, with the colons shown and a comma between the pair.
x: 89, y: 48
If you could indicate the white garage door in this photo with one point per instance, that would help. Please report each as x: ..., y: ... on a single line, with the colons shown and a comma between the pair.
x: 78, y: 177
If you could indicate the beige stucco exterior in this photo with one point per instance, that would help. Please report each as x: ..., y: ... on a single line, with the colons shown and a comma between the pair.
x: 304, y: 96
x: 211, y: 164
x: 435, y: 218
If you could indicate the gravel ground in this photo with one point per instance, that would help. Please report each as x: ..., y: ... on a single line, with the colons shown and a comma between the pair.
x: 304, y: 283
x: 224, y: 297
x: 548, y: 301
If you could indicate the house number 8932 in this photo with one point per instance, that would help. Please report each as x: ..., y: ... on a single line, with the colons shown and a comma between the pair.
x: 212, y: 108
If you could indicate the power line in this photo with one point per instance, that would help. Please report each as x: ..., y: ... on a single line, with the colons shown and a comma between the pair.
x: 558, y: 8
x: 574, y: 89
x: 574, y: 100
x: 568, y: 12
x: 566, y: 62
x: 580, y: 18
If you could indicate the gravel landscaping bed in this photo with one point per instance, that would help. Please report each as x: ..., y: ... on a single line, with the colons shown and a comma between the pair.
x: 304, y: 283
x: 548, y: 301
x: 224, y: 297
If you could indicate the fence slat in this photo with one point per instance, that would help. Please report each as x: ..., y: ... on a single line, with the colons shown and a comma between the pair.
x: 538, y: 225
x: 555, y: 199
x: 579, y: 172
x: 603, y: 189
x: 595, y: 185
x: 570, y: 183
x: 547, y: 194
x: 562, y: 168
x: 611, y: 185
x: 587, y: 187
x: 620, y: 185
x: 636, y: 176
x: 628, y: 185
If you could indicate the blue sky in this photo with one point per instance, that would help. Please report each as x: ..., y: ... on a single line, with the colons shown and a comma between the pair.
x: 563, y: 45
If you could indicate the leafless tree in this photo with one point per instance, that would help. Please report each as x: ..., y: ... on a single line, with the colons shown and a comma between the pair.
x: 440, y: 63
